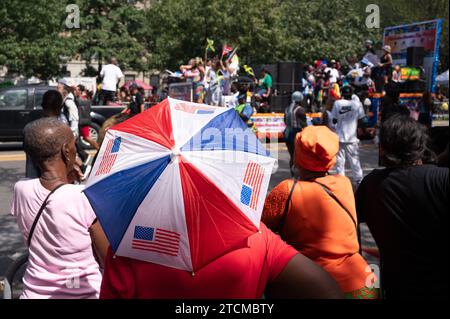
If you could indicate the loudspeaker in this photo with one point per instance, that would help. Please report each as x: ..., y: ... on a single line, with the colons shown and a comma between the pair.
x: 418, y: 86
x: 415, y: 56
x: 289, y: 76
x: 278, y: 103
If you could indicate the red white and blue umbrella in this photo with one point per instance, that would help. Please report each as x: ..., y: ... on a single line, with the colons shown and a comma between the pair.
x: 180, y: 184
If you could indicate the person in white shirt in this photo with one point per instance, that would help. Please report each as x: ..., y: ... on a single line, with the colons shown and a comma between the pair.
x: 346, y: 114
x: 334, y: 73
x: 111, y: 75
x: 69, y: 107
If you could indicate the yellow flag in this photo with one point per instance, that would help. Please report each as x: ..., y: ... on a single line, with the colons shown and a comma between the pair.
x: 249, y: 70
x: 210, y: 45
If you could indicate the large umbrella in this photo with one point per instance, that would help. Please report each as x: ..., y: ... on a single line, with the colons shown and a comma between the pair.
x: 139, y: 83
x: 180, y: 184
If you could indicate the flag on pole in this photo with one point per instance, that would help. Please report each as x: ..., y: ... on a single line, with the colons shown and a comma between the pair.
x: 226, y: 49
x: 210, y: 45
x: 249, y: 70
x: 232, y: 54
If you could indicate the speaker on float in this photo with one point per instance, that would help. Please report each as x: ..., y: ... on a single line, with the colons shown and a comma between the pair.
x: 417, y: 86
x: 289, y: 76
x: 415, y: 56
x: 278, y: 103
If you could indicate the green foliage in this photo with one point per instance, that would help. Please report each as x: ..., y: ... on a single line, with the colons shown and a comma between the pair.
x: 29, y: 35
x: 166, y: 33
x: 333, y: 29
x: 112, y: 28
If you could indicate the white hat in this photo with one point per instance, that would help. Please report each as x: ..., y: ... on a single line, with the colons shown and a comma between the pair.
x: 64, y: 82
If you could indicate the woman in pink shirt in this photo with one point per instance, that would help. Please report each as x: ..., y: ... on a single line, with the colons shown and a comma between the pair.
x: 66, y: 244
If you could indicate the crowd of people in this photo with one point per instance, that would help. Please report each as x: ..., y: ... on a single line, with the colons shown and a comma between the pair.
x: 308, y: 244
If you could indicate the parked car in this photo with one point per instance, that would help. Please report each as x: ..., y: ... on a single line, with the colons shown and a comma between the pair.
x: 20, y: 105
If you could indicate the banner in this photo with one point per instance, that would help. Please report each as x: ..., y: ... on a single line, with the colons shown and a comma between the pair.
x: 422, y: 34
x: 269, y: 125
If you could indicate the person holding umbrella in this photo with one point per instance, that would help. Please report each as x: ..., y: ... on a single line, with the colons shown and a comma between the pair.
x: 182, y: 210
x: 266, y: 266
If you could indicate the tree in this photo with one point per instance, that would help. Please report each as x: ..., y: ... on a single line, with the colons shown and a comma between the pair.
x: 31, y: 44
x: 111, y: 28
x: 181, y: 27
x: 266, y: 31
x: 165, y: 34
x: 324, y: 29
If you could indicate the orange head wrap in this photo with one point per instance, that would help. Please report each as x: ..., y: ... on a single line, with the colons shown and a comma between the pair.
x: 316, y: 148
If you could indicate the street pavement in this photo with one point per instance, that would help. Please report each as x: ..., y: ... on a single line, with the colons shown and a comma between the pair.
x: 12, y: 168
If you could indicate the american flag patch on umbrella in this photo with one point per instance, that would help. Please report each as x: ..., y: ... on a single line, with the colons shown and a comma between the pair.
x: 157, y: 240
x: 251, y: 187
x: 109, y: 156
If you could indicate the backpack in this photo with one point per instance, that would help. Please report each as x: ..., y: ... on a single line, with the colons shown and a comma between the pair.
x: 84, y: 111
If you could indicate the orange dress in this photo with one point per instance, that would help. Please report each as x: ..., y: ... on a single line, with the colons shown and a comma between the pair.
x: 318, y: 227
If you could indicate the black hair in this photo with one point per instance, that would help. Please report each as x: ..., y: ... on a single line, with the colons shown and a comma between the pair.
x: 43, y: 139
x: 266, y: 71
x: 404, y: 141
x: 52, y: 102
x: 392, y: 92
x: 234, y: 88
x: 347, y: 92
x: 81, y: 87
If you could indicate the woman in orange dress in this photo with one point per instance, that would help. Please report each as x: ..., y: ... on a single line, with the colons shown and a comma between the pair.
x: 316, y: 214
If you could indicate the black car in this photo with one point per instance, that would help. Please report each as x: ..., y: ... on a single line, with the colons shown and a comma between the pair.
x: 20, y: 105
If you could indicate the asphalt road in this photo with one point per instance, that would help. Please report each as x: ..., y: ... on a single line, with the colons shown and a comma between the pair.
x: 12, y: 168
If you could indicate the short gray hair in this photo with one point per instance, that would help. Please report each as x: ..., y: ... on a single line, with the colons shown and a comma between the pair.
x: 44, y: 138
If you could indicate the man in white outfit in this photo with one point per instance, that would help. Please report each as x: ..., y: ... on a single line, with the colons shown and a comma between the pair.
x: 346, y: 114
x: 111, y: 75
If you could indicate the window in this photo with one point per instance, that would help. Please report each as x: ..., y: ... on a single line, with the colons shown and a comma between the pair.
x: 13, y: 99
x: 38, y: 95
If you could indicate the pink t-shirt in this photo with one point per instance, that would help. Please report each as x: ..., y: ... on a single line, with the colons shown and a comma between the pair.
x: 61, y: 263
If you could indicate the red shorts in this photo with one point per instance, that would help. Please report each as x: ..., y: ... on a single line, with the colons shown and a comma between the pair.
x: 85, y: 132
